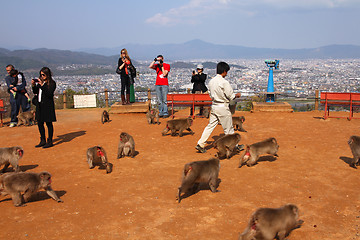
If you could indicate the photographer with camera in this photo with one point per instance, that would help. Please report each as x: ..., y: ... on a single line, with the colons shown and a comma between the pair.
x: 198, y: 78
x: 124, y: 69
x: 162, y: 84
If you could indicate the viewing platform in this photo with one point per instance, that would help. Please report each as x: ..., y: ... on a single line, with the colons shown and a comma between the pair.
x: 136, y: 107
x: 271, y: 107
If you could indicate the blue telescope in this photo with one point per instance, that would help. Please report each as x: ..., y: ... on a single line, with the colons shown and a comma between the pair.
x: 272, y: 64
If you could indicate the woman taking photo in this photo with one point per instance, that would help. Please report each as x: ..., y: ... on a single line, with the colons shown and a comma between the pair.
x: 44, y: 89
x: 124, y: 65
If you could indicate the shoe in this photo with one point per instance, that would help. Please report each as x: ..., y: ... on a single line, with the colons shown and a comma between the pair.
x: 240, y: 147
x: 12, y: 125
x: 42, y: 143
x: 48, y: 143
x: 200, y: 149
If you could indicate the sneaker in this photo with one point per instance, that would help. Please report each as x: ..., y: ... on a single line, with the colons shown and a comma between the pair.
x: 12, y: 125
x: 200, y: 149
x: 240, y: 147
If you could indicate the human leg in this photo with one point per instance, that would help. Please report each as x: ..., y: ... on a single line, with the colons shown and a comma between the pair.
x: 158, y: 89
x: 14, y: 110
x: 123, y: 85
x: 225, y: 118
x: 164, y: 99
x: 25, y: 104
x: 42, y: 134
x: 49, y: 142
x: 213, y: 122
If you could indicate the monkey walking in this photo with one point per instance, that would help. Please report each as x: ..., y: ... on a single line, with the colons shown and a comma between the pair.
x: 268, y: 223
x: 238, y: 122
x: 25, y: 118
x: 197, y: 172
x: 253, y: 152
x: 151, y: 115
x: 28, y: 183
x: 354, y: 144
x: 180, y: 125
x: 105, y: 117
x: 11, y: 155
x: 227, y: 144
x: 126, y: 146
x: 96, y: 156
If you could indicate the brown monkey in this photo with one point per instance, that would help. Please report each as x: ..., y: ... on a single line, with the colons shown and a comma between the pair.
x: 105, y: 117
x: 151, y: 115
x: 197, y: 172
x: 29, y: 183
x: 25, y: 118
x: 354, y: 143
x: 268, y: 223
x: 126, y: 146
x: 96, y: 156
x: 227, y: 144
x: 253, y: 152
x: 11, y: 155
x: 238, y: 122
x: 206, y: 112
x: 180, y: 125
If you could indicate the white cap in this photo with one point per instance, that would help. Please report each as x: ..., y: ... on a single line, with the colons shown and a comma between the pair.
x: 200, y: 66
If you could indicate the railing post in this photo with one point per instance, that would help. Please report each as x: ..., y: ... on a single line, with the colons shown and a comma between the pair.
x: 64, y: 99
x: 106, y: 98
x: 317, y: 99
x: 188, y: 90
x: 149, y: 94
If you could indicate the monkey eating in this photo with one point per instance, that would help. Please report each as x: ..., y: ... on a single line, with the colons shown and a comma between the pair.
x: 11, y: 155
x: 105, y: 117
x: 238, y: 122
x: 197, y: 172
x: 354, y: 144
x: 28, y: 183
x: 227, y: 144
x: 151, y: 115
x: 126, y: 146
x: 269, y: 223
x: 180, y: 125
x: 25, y: 118
x: 253, y: 152
x: 96, y: 156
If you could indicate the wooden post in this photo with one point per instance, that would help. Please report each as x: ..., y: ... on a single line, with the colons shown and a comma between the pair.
x: 316, y: 99
x: 106, y: 98
x: 149, y: 94
x: 188, y: 90
x: 64, y: 99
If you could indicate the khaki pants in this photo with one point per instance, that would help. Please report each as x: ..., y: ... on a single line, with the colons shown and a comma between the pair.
x: 219, y: 113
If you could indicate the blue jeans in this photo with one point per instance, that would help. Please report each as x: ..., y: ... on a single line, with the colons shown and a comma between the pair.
x: 161, y: 93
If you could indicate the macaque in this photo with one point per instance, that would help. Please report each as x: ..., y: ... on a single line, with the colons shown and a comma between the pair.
x: 238, y: 122
x: 28, y: 183
x: 197, y: 172
x: 270, y: 223
x: 151, y: 115
x: 354, y: 143
x: 206, y: 112
x: 11, y: 155
x: 180, y: 125
x: 25, y: 118
x: 253, y: 152
x: 126, y: 146
x: 96, y: 156
x: 105, y: 117
x: 227, y: 144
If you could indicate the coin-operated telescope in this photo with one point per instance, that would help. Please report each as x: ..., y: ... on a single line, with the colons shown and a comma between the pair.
x: 270, y: 94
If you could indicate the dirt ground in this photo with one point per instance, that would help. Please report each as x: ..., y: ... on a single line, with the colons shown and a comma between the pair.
x: 137, y: 200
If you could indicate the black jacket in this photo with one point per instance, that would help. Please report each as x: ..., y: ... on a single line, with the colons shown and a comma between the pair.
x: 45, y: 110
x: 199, y: 82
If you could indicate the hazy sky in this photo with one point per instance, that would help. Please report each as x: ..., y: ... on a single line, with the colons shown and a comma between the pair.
x: 73, y: 24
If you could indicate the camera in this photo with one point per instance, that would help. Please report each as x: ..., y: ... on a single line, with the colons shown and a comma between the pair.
x: 161, y: 61
x: 36, y: 80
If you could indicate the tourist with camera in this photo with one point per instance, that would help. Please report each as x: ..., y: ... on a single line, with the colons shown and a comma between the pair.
x: 126, y: 71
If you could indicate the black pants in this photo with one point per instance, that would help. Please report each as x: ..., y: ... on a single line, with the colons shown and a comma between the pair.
x: 42, y: 130
x: 125, y: 85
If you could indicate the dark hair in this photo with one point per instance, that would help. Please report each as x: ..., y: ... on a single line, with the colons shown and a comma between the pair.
x: 13, y: 72
x: 222, y: 67
x: 10, y: 65
x: 160, y: 56
x: 47, y: 72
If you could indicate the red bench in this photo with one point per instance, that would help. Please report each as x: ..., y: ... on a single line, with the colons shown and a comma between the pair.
x: 2, y: 111
x: 188, y: 99
x: 340, y: 99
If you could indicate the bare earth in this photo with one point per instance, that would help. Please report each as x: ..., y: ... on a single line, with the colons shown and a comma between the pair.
x: 137, y: 200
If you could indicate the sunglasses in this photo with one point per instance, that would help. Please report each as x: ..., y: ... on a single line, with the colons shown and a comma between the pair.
x: 122, y: 53
x: 43, y: 75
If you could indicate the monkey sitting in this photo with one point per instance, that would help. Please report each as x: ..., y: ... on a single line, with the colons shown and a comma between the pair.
x: 11, y: 155
x: 96, y: 156
x: 227, y: 144
x: 180, y: 125
x: 151, y: 115
x: 126, y: 146
x: 25, y: 118
x: 354, y: 144
x: 268, y: 223
x: 105, y: 117
x: 28, y: 183
x: 238, y: 122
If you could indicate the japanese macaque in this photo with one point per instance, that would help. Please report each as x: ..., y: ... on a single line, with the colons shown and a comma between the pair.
x: 198, y: 172
x: 105, y: 117
x: 354, y: 143
x: 253, y: 152
x: 180, y: 125
x: 206, y: 112
x: 227, y: 144
x: 11, y: 155
x: 238, y: 122
x: 126, y: 146
x: 269, y: 223
x: 25, y: 118
x: 151, y: 115
x: 28, y: 183
x: 96, y: 156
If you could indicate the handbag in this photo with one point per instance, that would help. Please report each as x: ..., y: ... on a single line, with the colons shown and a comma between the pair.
x: 118, y: 71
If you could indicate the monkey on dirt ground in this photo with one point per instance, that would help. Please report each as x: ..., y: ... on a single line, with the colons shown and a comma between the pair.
x: 180, y: 125
x: 227, y: 144
x: 126, y: 145
x: 270, y: 223
x: 151, y: 115
x: 354, y: 144
x: 11, y: 155
x: 28, y: 183
x: 25, y: 118
x: 96, y: 156
x: 238, y: 122
x: 198, y: 172
x: 105, y: 117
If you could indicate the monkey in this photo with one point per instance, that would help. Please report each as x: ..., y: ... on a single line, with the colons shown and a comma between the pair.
x: 197, y: 172
x: 268, y: 223
x: 11, y: 155
x: 96, y: 156
x: 151, y: 115
x: 238, y: 122
x: 29, y: 183
x: 180, y: 125
x: 253, y: 152
x: 126, y: 146
x: 105, y: 117
x: 25, y: 118
x: 354, y: 144
x: 227, y: 144
x: 206, y: 112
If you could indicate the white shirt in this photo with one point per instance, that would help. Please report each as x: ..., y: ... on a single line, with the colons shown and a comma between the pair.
x: 220, y: 90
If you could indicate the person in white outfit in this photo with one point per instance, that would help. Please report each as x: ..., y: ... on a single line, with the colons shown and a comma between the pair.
x: 221, y: 94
